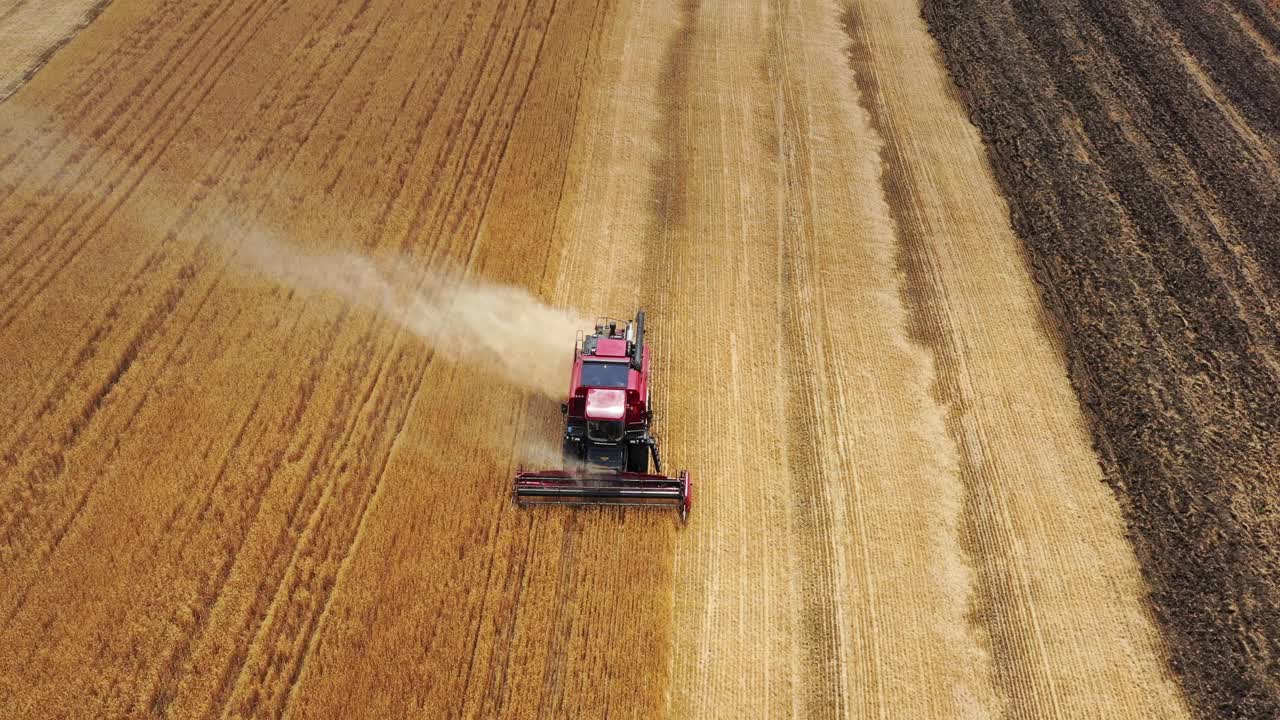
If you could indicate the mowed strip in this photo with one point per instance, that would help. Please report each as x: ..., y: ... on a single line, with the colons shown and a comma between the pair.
x: 822, y: 575
x: 33, y: 31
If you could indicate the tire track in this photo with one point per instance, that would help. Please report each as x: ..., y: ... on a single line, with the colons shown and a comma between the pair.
x: 126, y: 161
x: 219, y: 168
x: 97, y: 335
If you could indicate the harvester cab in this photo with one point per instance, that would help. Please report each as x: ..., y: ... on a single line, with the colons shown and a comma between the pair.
x: 607, y: 440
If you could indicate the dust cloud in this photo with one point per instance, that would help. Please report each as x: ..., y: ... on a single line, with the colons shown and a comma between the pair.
x: 500, y: 329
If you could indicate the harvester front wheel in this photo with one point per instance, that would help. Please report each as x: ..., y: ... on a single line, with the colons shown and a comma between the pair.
x: 638, y: 458
x: 572, y: 456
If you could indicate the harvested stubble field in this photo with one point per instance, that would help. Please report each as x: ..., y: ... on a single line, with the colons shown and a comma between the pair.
x: 1139, y: 145
x: 287, y: 291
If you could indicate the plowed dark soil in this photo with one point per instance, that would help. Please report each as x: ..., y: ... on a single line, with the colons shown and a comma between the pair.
x: 1137, y: 143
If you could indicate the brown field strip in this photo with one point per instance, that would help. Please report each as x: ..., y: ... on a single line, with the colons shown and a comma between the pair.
x: 262, y: 267
x: 1138, y: 145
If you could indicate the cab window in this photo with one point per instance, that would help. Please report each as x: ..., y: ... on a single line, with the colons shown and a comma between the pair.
x: 604, y: 375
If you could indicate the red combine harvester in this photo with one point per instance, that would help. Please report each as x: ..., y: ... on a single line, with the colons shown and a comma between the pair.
x: 607, y: 444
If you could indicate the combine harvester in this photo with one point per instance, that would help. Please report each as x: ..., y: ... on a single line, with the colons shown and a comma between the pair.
x: 607, y: 443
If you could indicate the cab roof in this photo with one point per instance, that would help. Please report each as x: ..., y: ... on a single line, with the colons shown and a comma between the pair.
x: 611, y: 348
